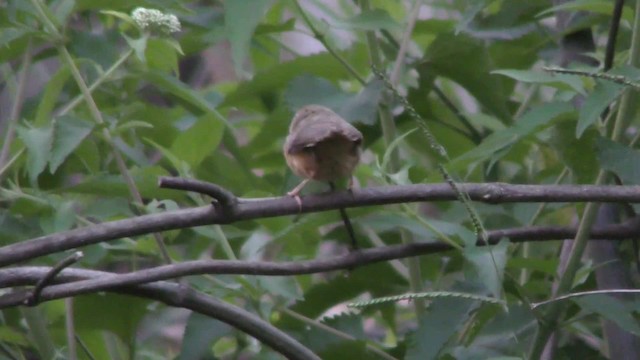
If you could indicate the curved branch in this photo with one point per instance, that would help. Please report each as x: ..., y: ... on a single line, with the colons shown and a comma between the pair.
x: 349, y: 261
x: 170, y: 294
x: 247, y: 209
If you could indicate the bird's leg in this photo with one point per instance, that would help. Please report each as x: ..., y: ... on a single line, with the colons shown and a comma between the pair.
x: 350, y: 186
x: 296, y: 190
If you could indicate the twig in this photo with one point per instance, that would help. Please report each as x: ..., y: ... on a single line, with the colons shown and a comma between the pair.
x: 585, y: 293
x: 225, y: 197
x: 32, y: 300
x: 610, y: 50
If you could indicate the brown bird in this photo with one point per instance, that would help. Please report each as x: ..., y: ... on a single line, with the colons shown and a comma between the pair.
x: 321, y: 146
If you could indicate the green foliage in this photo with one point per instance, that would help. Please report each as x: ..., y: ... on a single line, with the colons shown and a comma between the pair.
x: 214, y: 102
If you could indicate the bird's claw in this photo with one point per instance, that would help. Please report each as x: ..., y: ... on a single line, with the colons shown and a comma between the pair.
x: 297, y: 198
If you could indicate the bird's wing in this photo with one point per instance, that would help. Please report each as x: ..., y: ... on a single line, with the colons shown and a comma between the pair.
x: 314, y: 133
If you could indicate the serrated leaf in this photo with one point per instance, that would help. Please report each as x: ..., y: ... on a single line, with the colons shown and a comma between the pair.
x: 531, y: 121
x: 69, y: 133
x: 241, y: 17
x: 199, y: 141
x: 602, y: 95
x: 38, y: 142
x: 620, y: 159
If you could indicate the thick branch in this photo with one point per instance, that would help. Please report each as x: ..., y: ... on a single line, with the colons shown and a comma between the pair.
x: 170, y: 294
x: 247, y: 209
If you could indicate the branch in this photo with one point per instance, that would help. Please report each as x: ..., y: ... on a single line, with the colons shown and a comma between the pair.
x: 351, y: 260
x: 170, y: 294
x: 247, y: 209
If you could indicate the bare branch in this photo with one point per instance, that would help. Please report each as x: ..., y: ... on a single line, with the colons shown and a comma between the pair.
x: 349, y: 261
x: 247, y: 209
x: 170, y: 294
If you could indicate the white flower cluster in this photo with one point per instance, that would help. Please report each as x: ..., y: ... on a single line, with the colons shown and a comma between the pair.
x: 149, y: 19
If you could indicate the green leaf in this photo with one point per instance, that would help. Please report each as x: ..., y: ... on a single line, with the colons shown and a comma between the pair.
x: 466, y: 61
x: 69, y: 133
x: 603, y: 7
x: 199, y: 335
x: 38, y: 142
x: 190, y: 98
x: 369, y: 20
x: 361, y: 107
x: 445, y: 317
x: 612, y: 309
x: 51, y: 95
x: 604, y: 93
x: 487, y: 265
x: 531, y: 121
x: 161, y: 55
x: 560, y: 81
x: 241, y: 17
x: 139, y: 46
x: 63, y: 10
x: 278, y: 76
x: 264, y: 29
x: 199, y: 141
x: 118, y: 314
x: 577, y: 154
x: 620, y: 159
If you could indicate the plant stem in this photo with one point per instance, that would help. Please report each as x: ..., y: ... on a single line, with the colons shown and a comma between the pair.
x: 389, y: 134
x: 97, y: 117
x: 16, y: 108
x: 404, y: 44
x: 625, y: 112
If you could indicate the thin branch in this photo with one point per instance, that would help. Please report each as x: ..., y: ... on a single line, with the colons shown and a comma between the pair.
x: 225, y: 197
x: 351, y: 260
x: 586, y: 293
x: 610, y: 50
x: 32, y: 300
x: 173, y: 295
x: 247, y: 209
